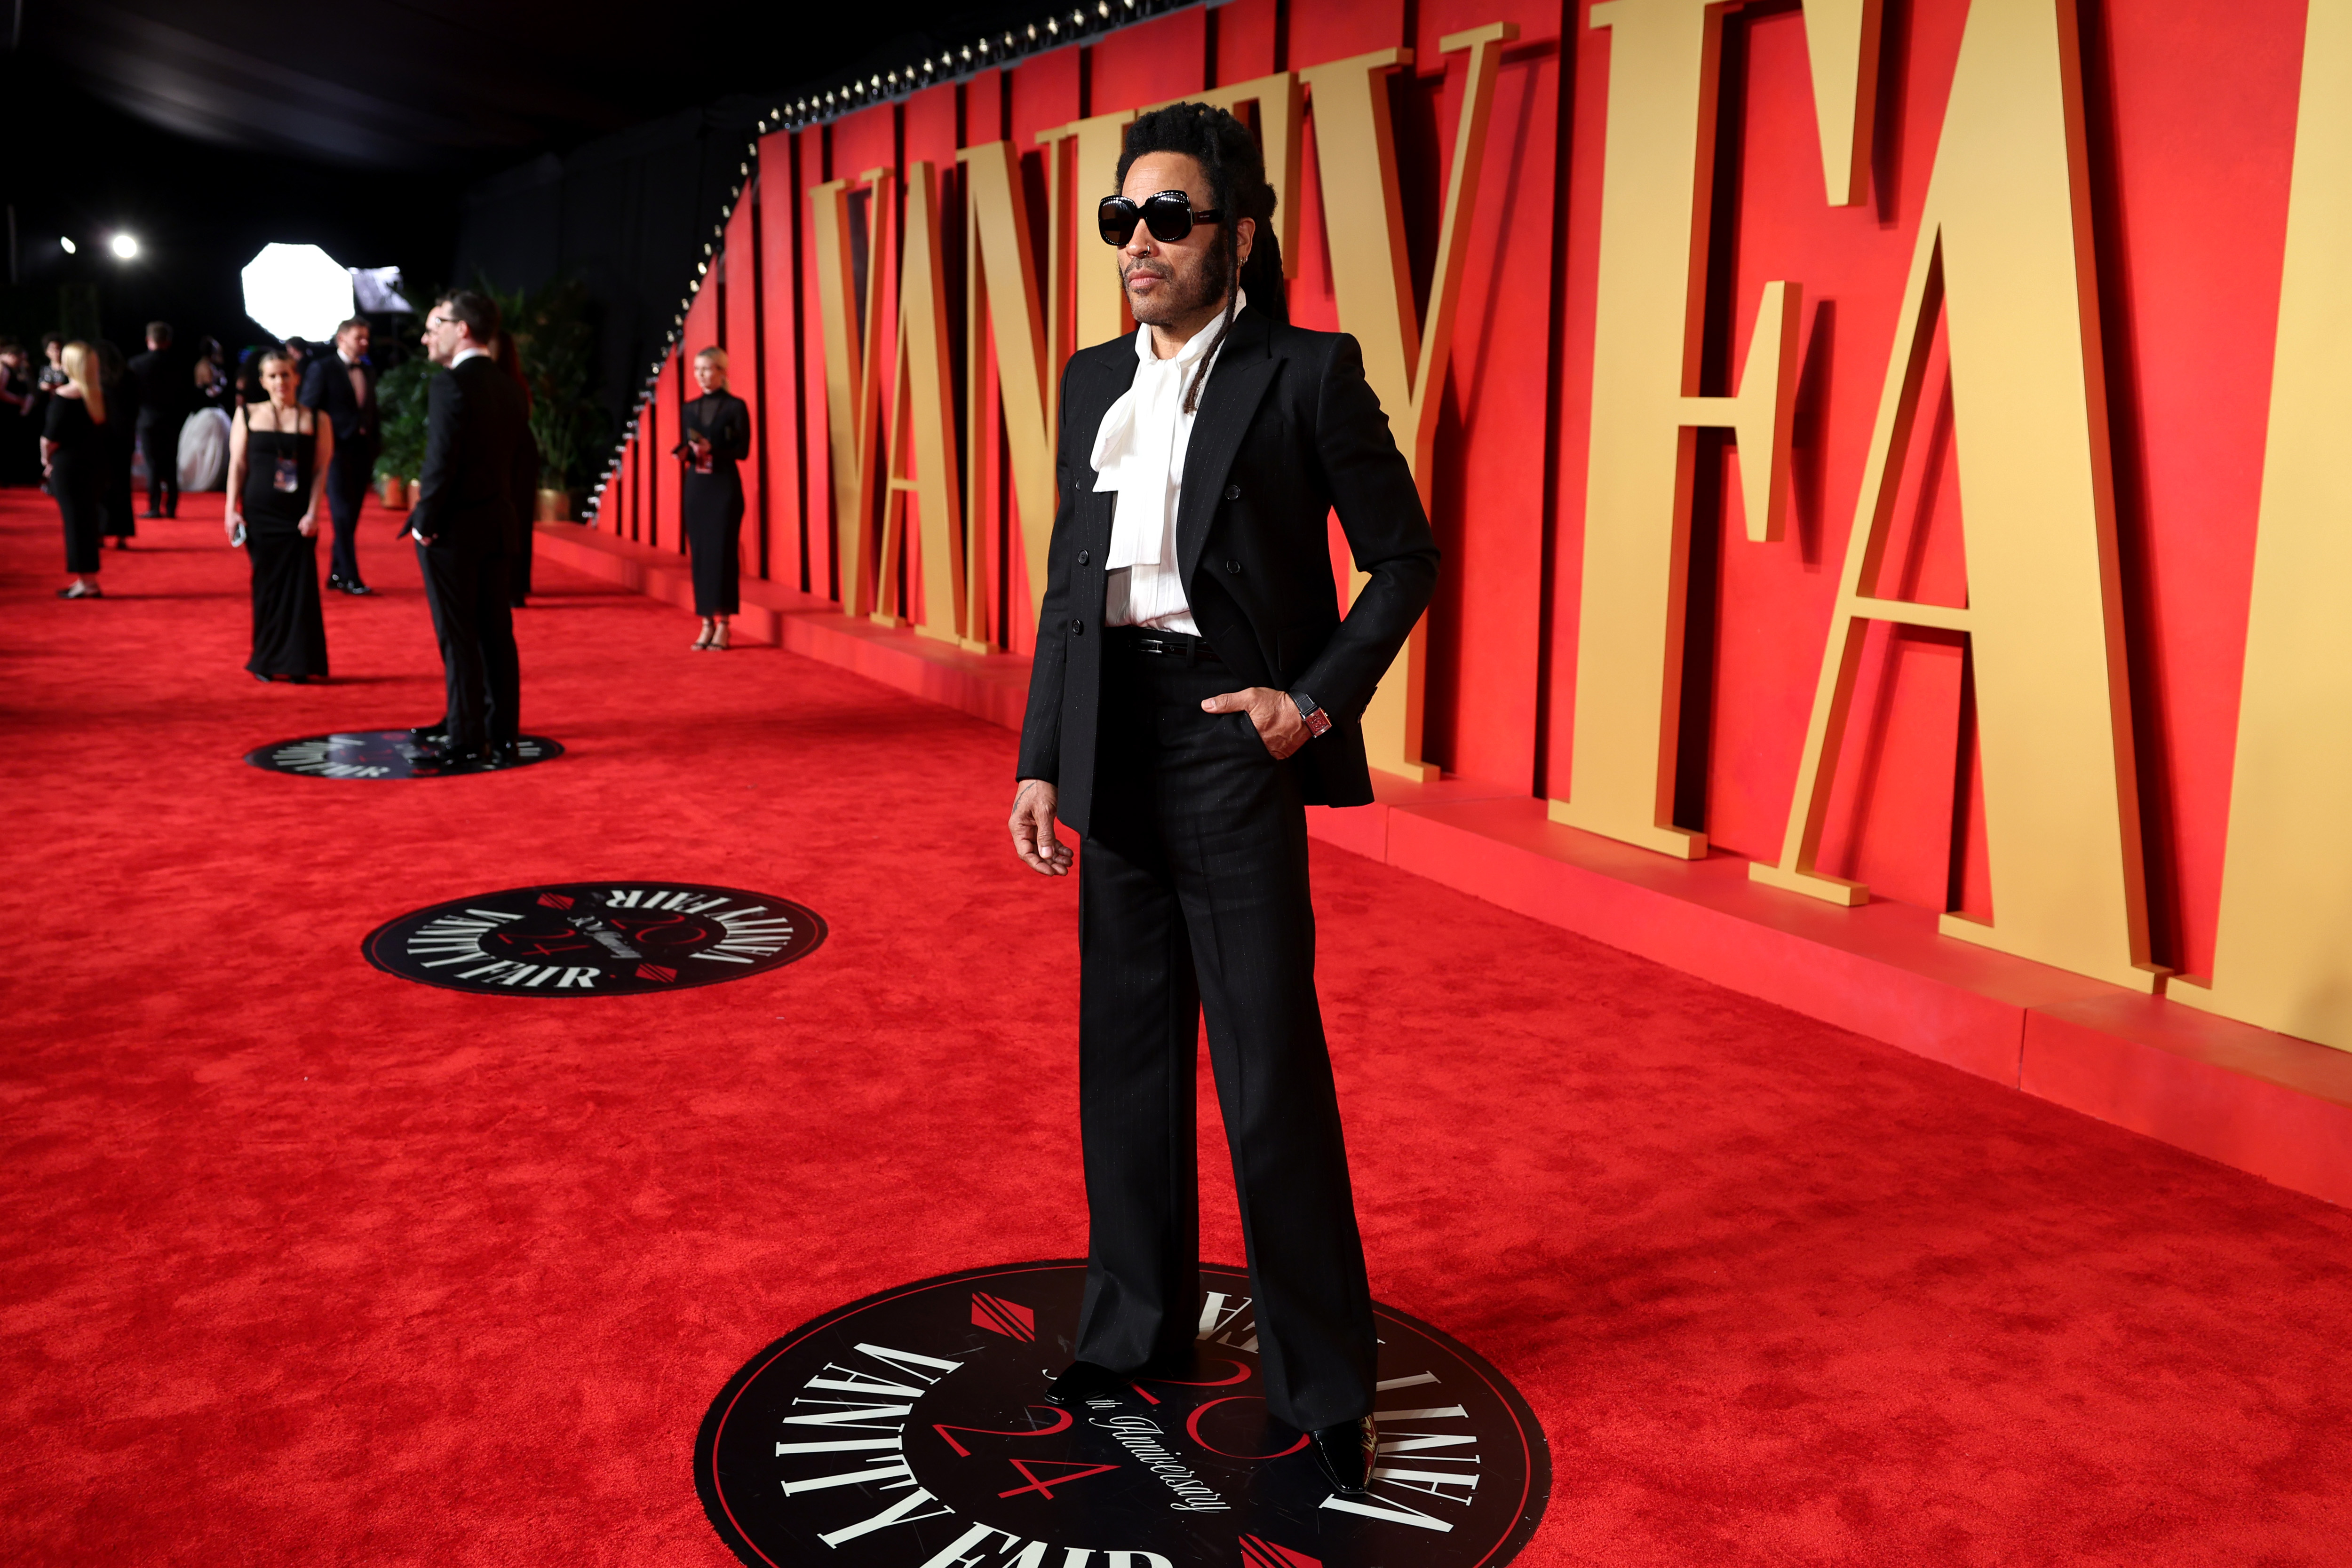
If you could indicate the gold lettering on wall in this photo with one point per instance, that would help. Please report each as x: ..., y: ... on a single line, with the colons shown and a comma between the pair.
x: 851, y: 397
x: 1658, y: 176
x: 922, y: 453
x: 2004, y: 250
x: 2280, y: 960
x: 1841, y: 43
x: 1404, y: 359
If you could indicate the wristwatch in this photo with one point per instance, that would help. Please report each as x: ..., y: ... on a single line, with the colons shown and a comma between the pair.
x: 1315, y: 719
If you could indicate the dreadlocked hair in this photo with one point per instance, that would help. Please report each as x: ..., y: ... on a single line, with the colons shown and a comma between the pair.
x: 1229, y: 155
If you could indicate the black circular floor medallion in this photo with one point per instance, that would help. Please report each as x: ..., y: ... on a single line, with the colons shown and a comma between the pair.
x: 595, y: 938
x: 909, y: 1430
x: 379, y: 753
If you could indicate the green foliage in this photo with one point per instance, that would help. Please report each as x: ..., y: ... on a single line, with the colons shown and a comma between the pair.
x: 401, y: 395
x: 555, y: 337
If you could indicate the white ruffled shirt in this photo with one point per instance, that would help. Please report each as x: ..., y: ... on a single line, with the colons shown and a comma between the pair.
x: 1139, y: 454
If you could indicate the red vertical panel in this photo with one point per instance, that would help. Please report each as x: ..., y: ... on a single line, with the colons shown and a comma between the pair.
x: 660, y: 428
x: 816, y: 477
x: 740, y: 258
x: 2201, y: 99
x: 1324, y: 30
x: 930, y: 136
x: 780, y: 391
x: 1486, y: 490
x: 1043, y: 94
x: 1248, y: 40
x: 1154, y: 60
x: 866, y: 140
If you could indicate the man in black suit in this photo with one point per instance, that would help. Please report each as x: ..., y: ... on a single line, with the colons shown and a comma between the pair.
x: 1194, y: 688
x: 342, y: 386
x: 473, y: 503
x: 166, y: 382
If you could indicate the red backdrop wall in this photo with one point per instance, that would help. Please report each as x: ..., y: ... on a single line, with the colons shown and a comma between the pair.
x: 2190, y: 107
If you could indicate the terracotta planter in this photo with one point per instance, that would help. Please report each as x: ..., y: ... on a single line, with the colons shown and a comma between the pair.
x: 554, y: 507
x: 396, y: 493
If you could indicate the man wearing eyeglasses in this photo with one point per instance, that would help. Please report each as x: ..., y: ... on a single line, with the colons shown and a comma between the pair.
x: 1194, y: 689
x: 473, y: 503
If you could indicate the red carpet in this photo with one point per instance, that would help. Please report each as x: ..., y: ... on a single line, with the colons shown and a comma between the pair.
x: 306, y: 1263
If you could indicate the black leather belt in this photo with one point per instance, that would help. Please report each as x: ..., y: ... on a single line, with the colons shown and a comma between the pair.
x: 1164, y: 644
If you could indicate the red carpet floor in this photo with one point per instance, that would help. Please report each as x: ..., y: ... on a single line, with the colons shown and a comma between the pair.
x: 302, y: 1262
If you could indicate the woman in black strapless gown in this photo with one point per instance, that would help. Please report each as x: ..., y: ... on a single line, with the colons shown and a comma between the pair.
x: 710, y: 495
x: 278, y: 453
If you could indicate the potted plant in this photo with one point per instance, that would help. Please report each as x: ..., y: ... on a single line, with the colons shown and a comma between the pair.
x: 401, y: 396
x: 555, y: 339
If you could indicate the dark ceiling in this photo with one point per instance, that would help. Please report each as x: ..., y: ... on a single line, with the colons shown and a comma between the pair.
x: 450, y: 84
x: 210, y: 127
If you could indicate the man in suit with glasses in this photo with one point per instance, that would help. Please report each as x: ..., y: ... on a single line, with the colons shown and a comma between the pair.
x: 1194, y: 688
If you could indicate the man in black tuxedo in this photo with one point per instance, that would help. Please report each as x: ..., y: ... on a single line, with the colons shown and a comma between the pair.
x: 166, y: 382
x: 473, y: 502
x: 342, y: 386
x: 1194, y: 688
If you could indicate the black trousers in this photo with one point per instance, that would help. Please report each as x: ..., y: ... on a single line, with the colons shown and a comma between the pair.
x: 467, y: 588
x: 158, y: 442
x: 347, y: 485
x: 1193, y: 899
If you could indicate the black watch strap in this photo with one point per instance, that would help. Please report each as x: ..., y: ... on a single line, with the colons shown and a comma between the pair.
x: 1318, y: 722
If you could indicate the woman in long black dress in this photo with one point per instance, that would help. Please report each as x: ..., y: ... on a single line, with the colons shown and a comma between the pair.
x: 73, y: 456
x: 277, y: 454
x: 718, y: 435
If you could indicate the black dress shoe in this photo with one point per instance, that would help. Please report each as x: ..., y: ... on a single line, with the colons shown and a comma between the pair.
x: 358, y: 590
x: 1082, y: 1381
x: 1345, y: 1452
x: 430, y: 734
x: 504, y: 754
x: 447, y: 757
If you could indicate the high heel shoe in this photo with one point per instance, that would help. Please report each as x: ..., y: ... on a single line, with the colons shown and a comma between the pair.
x: 718, y: 643
x: 704, y: 641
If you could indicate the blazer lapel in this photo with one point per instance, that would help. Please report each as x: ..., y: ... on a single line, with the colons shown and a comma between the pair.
x: 1108, y: 370
x: 1243, y: 371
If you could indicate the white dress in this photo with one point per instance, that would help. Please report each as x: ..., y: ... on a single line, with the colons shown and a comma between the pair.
x: 203, y: 450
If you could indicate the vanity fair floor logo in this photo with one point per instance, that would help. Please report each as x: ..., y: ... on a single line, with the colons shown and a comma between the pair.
x: 379, y: 753
x: 909, y: 1430
x: 595, y: 938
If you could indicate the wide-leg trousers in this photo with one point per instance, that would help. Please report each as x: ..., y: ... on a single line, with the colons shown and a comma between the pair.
x: 1193, y: 901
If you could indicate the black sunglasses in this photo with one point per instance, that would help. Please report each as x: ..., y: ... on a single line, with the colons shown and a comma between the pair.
x: 1169, y: 215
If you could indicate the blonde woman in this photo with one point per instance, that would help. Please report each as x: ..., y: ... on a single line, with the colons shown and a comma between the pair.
x: 710, y: 494
x: 278, y: 457
x: 73, y: 456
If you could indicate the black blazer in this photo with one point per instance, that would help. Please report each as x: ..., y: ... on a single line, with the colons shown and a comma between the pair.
x: 327, y: 387
x: 166, y: 382
x: 481, y: 467
x: 1287, y: 432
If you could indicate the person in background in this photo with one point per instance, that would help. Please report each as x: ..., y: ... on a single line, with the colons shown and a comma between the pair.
x: 472, y: 506
x: 718, y: 427
x: 164, y: 386
x: 120, y: 435
x: 509, y: 360
x: 73, y: 460
x: 204, y: 436
x: 210, y: 380
x: 53, y: 374
x: 340, y: 385
x: 280, y: 454
x: 20, y: 457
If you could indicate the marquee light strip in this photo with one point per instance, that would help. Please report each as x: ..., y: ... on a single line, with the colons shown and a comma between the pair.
x: 1057, y: 30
